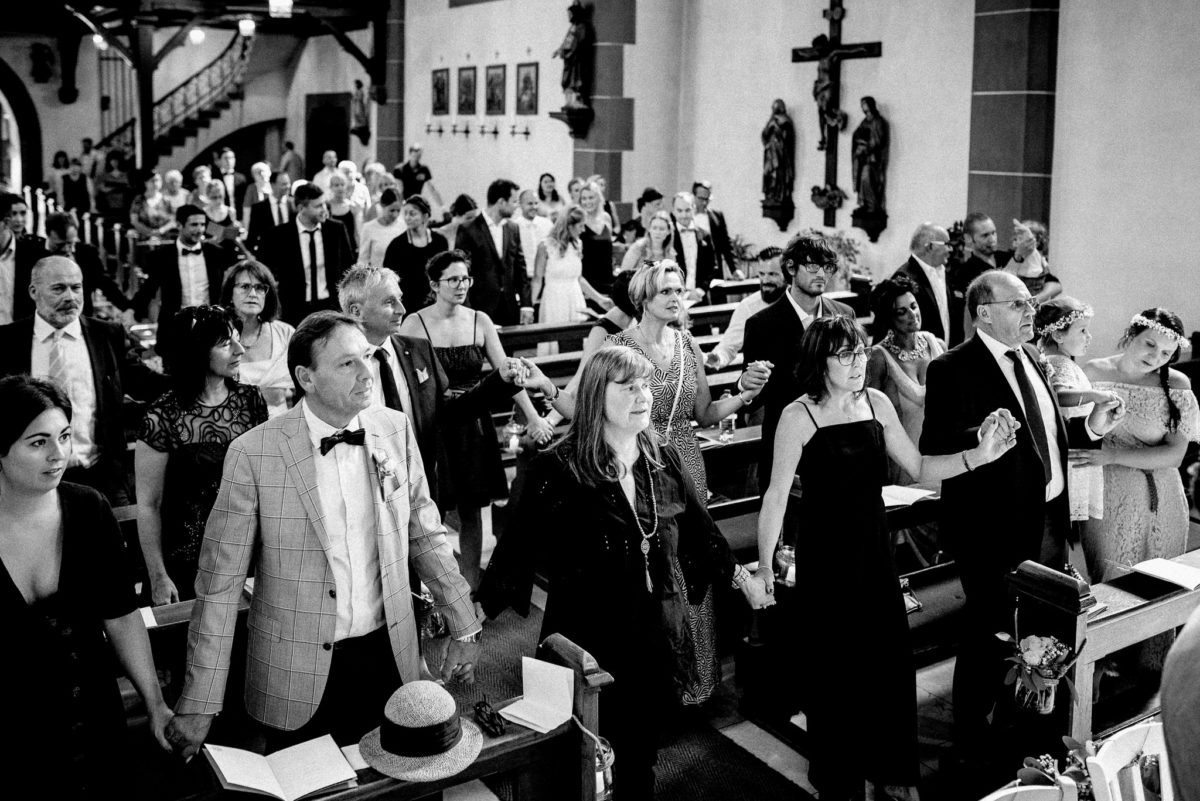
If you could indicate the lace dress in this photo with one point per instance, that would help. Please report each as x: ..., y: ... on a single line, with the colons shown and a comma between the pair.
x: 562, y: 296
x: 1085, y: 485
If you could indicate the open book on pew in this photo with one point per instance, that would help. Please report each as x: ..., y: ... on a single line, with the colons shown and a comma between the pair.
x: 1166, y: 570
x: 547, y: 695
x: 298, y: 772
x: 896, y: 495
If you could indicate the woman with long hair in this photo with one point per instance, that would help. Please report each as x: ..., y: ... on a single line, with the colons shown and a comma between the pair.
x: 657, y: 245
x: 409, y: 253
x: 149, y: 213
x: 558, y: 276
x: 382, y: 229
x: 549, y: 203
x: 343, y: 210
x: 250, y: 290
x: 596, y: 239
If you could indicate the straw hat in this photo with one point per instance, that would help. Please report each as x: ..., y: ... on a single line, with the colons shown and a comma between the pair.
x: 422, y: 738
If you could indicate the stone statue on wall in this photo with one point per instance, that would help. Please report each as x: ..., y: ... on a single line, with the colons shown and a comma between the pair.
x: 576, y: 53
x: 779, y: 165
x: 869, y: 153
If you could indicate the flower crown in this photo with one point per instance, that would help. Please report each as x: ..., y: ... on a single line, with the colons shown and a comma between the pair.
x: 1159, y: 328
x: 1066, y: 322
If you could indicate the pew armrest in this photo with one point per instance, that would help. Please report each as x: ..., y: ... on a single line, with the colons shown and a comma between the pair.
x: 589, y: 680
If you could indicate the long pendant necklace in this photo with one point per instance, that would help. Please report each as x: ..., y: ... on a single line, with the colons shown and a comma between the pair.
x: 645, y: 547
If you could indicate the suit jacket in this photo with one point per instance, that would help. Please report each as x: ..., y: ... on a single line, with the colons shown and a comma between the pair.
x: 280, y: 251
x: 722, y: 244
x: 931, y: 318
x: 268, y: 511
x: 774, y: 334
x: 705, y: 267
x: 262, y: 221
x: 500, y: 287
x: 162, y: 273
x: 239, y: 191
x: 115, y: 374
x: 27, y: 251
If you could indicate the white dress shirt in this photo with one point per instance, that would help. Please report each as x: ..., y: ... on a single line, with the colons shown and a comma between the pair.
x: 691, y: 246
x: 393, y: 360
x: 1046, y: 408
x: 497, y: 232
x: 193, y: 276
x: 81, y: 387
x: 227, y: 178
x: 8, y: 280
x: 806, y: 318
x: 937, y: 280
x: 735, y: 333
x: 533, y: 233
x: 344, y: 488
x: 322, y: 285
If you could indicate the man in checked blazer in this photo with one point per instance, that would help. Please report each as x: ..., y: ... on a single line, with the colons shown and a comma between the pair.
x: 332, y: 504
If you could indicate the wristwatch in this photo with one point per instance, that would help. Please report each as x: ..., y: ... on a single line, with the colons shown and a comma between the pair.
x: 471, y: 638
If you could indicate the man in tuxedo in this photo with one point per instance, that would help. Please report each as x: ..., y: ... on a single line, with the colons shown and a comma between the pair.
x: 188, y: 273
x: 62, y: 239
x: 272, y: 211
x: 308, y: 256
x: 712, y: 222
x: 1014, y: 509
x: 18, y: 254
x: 90, y: 359
x: 235, y: 182
x: 330, y: 496
x: 493, y: 242
x: 693, y: 248
x: 774, y: 334
x: 942, y: 307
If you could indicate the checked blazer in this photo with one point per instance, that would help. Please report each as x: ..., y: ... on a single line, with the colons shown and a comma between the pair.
x: 268, y: 510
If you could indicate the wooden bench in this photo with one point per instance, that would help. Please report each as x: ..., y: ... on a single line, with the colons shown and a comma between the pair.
x: 570, y: 336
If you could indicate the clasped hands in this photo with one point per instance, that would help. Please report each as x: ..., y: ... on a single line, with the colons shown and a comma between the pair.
x: 997, y: 435
x: 523, y: 373
x: 759, y: 589
x: 755, y: 377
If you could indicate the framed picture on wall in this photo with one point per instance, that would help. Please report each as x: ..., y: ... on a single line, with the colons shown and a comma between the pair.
x: 494, y: 78
x: 466, y: 90
x: 441, y: 91
x: 527, y: 88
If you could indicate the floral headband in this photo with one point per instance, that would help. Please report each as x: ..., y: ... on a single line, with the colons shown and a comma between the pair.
x: 1159, y: 328
x: 1063, y: 323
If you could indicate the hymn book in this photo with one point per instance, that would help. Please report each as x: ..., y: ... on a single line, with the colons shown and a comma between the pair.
x: 1178, y: 574
x: 548, y: 693
x: 293, y: 773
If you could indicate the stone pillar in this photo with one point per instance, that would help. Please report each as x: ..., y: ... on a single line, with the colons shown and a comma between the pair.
x: 389, y: 116
x: 1012, y: 110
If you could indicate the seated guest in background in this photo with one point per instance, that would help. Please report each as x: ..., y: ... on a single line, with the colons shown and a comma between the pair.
x: 610, y: 580
x: 308, y: 256
x: 492, y: 243
x: 648, y: 204
x: 535, y: 227
x: 558, y: 281
x: 380, y: 232
x: 942, y: 308
x: 182, y: 443
x: 462, y: 211
x: 76, y: 190
x: 87, y: 357
x: 258, y: 190
x: 66, y: 590
x: 712, y: 222
x: 302, y: 494
x: 114, y: 193
x: 62, y: 239
x: 150, y: 215
x: 549, y: 203
x: 274, y: 209
x: 187, y: 273
x: 17, y: 257
x: 770, y: 289
x: 693, y: 248
x: 173, y: 192
x: 342, y: 210
x: 657, y: 244
x: 1029, y: 263
x: 409, y: 252
x: 249, y: 289
x: 897, y: 363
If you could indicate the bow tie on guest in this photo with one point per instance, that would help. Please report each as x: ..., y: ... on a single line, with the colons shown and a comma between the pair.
x: 196, y: 251
x: 355, y: 437
x: 691, y: 231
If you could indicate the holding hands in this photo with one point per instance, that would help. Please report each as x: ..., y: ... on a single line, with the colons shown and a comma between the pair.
x: 1106, y: 413
x: 997, y: 436
x: 754, y: 378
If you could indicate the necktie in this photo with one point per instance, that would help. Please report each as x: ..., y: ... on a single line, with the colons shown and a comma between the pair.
x: 391, y: 394
x: 355, y: 437
x: 58, y: 363
x: 1033, y: 412
x: 312, y: 261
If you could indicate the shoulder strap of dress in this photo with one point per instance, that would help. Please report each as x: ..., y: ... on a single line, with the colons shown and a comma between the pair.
x: 870, y: 405
x: 810, y: 415
x: 474, y: 326
x: 427, y: 334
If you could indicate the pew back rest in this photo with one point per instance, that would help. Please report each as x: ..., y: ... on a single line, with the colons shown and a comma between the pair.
x: 1115, y: 768
x: 1031, y: 793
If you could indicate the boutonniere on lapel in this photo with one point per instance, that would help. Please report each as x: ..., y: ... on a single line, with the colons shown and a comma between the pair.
x: 422, y: 375
x: 1045, y: 366
x: 385, y: 473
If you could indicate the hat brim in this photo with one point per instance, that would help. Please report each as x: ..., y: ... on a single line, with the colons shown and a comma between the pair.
x: 428, y: 768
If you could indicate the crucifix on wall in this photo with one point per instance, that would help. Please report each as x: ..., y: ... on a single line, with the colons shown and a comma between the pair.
x: 829, y: 52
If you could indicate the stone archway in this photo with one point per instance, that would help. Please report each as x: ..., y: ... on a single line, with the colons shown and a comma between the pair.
x: 28, y: 127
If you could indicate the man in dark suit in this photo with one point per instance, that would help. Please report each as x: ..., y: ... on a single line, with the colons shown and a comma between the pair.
x: 1010, y: 510
x: 308, y: 256
x: 188, y: 273
x: 270, y: 212
x: 493, y: 242
x: 62, y: 239
x: 942, y: 307
x: 235, y: 182
x: 89, y: 359
x: 712, y: 222
x: 18, y: 254
x: 693, y: 248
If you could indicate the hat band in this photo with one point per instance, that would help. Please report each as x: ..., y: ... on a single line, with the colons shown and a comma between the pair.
x: 419, y: 741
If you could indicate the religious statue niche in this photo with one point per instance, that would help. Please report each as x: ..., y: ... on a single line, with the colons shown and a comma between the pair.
x: 779, y: 166
x: 869, y: 160
x: 578, y: 52
x: 41, y: 62
x: 360, y: 121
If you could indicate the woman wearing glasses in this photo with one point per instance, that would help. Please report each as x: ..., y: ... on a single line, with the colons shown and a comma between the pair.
x: 462, y: 338
x: 181, y: 446
x: 250, y: 290
x: 837, y: 436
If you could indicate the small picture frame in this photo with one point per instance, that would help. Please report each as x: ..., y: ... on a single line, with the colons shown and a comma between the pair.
x: 494, y: 79
x: 466, y: 91
x: 441, y: 92
x: 527, y: 88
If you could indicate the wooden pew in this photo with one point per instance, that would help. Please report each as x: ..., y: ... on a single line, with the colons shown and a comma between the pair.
x: 570, y: 336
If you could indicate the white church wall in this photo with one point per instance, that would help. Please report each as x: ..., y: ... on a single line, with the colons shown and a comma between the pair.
x: 324, y: 67
x: 507, y: 32
x: 1124, y: 200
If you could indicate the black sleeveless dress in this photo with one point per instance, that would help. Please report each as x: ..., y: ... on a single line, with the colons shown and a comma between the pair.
x: 597, y: 249
x: 347, y: 221
x: 471, y: 451
x: 857, y: 672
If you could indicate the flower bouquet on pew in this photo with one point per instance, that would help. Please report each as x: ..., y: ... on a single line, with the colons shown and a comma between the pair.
x: 1038, y: 664
x: 1073, y: 780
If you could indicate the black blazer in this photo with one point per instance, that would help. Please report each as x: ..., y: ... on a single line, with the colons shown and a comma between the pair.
x: 262, y: 221
x: 931, y: 319
x: 774, y: 335
x: 162, y: 273
x: 500, y: 287
x: 116, y: 372
x: 722, y: 244
x: 26, y: 253
x: 239, y: 191
x: 706, y: 260
x: 280, y: 251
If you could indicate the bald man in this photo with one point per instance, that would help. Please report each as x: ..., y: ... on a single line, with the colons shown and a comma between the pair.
x: 330, y: 161
x: 942, y: 310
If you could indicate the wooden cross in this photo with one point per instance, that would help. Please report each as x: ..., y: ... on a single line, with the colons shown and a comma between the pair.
x: 829, y: 52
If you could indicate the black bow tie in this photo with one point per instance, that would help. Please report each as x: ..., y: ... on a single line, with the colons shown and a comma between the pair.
x: 356, y: 437
x: 191, y: 251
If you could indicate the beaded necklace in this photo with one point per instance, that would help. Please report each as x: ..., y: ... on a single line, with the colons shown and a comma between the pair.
x: 645, y: 546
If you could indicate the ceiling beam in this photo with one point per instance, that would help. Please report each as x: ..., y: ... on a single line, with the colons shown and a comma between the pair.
x: 98, y: 28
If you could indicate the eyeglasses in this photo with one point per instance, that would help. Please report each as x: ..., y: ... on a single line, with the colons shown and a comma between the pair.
x: 1016, y: 304
x: 813, y: 269
x: 457, y: 281
x: 258, y: 289
x: 849, y: 357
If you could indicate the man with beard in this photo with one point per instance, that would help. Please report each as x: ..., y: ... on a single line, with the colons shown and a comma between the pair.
x: 62, y: 239
x: 493, y: 241
x: 770, y: 289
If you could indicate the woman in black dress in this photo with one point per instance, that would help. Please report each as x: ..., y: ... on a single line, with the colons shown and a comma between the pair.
x: 408, y: 253
x: 837, y: 437
x: 342, y: 210
x: 596, y: 240
x: 604, y: 515
x: 63, y: 588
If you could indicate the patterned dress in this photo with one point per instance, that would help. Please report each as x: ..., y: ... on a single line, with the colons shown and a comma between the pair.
x: 1085, y: 485
x: 673, y: 422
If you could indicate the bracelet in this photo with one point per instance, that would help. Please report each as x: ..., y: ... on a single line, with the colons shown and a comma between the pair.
x: 966, y: 464
x: 740, y: 576
x: 742, y: 398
